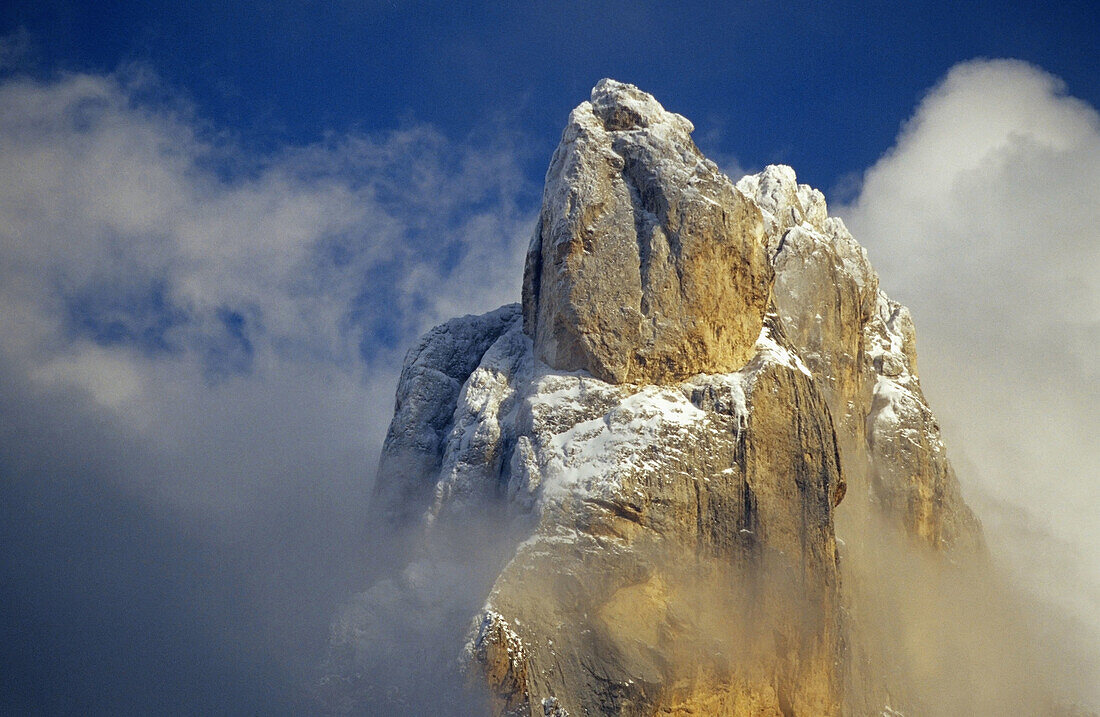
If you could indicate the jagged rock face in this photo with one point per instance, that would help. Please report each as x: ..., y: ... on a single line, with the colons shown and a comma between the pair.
x: 680, y: 553
x: 861, y: 347
x: 660, y: 440
x: 669, y: 567
x: 648, y: 266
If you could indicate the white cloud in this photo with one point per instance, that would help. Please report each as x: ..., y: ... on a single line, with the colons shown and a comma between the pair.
x: 140, y: 265
x: 983, y: 220
x: 110, y: 379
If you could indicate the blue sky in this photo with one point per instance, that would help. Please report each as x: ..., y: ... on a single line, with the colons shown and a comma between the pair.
x: 222, y: 225
x: 821, y: 86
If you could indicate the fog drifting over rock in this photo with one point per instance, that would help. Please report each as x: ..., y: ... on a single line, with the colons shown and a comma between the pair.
x: 983, y: 220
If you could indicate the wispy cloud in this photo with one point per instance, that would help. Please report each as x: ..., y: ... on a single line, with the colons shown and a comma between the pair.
x: 131, y: 240
x: 208, y: 339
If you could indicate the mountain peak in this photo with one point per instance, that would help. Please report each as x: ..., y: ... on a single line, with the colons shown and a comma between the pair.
x: 632, y: 489
x: 621, y: 106
x: 648, y: 265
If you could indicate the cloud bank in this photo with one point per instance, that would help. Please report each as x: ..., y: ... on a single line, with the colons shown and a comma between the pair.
x: 150, y: 267
x: 983, y: 219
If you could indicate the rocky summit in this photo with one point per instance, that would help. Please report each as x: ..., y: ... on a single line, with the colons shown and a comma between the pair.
x: 658, y: 485
x: 647, y: 266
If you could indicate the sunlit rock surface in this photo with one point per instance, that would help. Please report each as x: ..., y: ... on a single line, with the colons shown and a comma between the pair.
x: 647, y: 265
x: 625, y: 496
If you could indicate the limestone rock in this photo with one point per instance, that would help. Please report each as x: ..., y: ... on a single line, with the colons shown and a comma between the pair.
x: 910, y: 475
x: 648, y: 265
x: 663, y: 512
x: 626, y: 497
x: 652, y: 515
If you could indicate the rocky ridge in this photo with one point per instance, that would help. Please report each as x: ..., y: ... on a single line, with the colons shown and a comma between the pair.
x: 703, y: 385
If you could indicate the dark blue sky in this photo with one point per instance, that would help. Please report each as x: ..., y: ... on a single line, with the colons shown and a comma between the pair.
x: 821, y: 86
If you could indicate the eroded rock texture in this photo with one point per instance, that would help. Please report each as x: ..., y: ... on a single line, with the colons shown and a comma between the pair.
x: 647, y: 265
x: 435, y: 371
x: 632, y: 488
